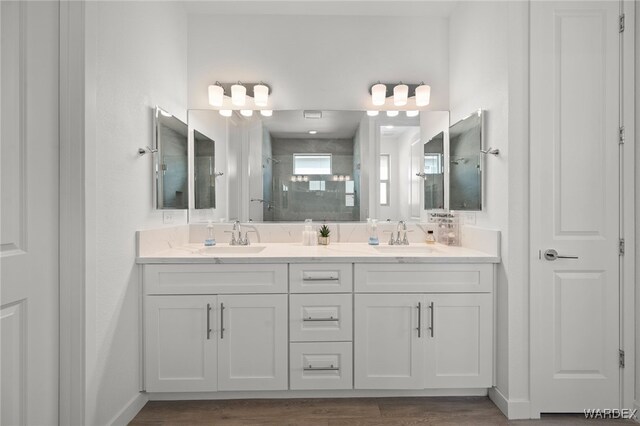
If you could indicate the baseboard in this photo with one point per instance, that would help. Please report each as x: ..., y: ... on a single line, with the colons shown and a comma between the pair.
x: 350, y: 393
x: 636, y: 406
x: 514, y: 409
x: 130, y: 410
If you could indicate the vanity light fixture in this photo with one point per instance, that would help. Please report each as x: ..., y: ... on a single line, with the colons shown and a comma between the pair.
x: 266, y: 112
x: 246, y: 112
x: 239, y: 96
x: 412, y: 113
x: 313, y: 132
x: 225, y: 112
x: 378, y: 94
x: 373, y: 113
x: 400, y: 95
x: 392, y: 113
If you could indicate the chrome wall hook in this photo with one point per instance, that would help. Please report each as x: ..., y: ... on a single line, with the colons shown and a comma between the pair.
x: 147, y: 150
x: 492, y: 151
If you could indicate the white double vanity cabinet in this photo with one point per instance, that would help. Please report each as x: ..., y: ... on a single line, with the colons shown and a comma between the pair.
x: 296, y: 318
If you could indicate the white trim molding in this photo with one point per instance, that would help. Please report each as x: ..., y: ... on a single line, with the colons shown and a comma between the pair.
x: 512, y: 409
x: 130, y: 410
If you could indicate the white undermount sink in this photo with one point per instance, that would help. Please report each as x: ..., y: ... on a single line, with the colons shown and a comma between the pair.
x: 215, y: 250
x: 404, y: 250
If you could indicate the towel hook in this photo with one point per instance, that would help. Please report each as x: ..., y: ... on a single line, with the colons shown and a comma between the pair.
x: 492, y: 151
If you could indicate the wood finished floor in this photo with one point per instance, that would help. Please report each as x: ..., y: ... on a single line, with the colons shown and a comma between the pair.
x: 476, y: 411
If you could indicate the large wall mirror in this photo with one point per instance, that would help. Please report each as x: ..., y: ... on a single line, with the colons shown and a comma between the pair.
x: 170, y: 161
x: 329, y: 165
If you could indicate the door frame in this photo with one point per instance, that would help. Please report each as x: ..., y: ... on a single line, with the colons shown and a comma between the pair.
x: 627, y: 268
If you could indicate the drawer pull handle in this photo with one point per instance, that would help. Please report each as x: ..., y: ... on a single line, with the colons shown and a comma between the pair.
x: 208, y: 321
x: 222, y: 320
x: 311, y: 368
x: 332, y: 319
x: 419, y: 319
x: 320, y: 278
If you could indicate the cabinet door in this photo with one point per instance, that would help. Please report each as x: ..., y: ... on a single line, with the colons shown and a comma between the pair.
x: 252, y: 342
x: 180, y: 351
x: 459, y: 330
x: 388, y: 348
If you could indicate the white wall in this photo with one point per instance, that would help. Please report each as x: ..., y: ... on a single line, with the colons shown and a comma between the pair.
x: 136, y: 58
x: 322, y: 62
x: 487, y: 53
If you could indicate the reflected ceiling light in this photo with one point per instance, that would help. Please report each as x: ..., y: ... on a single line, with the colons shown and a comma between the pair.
x: 372, y: 113
x: 313, y: 132
x: 392, y: 113
x: 261, y: 95
x: 388, y: 127
x: 216, y: 95
x: 400, y: 94
x: 246, y: 112
x: 378, y: 94
x: 423, y: 95
x: 238, y: 94
x: 266, y: 112
x: 413, y: 113
x: 225, y: 112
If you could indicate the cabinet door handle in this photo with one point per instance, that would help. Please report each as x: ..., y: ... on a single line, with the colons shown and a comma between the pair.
x: 419, y: 319
x: 332, y: 368
x: 222, y: 320
x: 432, y: 326
x: 208, y: 321
x: 332, y: 319
x: 320, y: 278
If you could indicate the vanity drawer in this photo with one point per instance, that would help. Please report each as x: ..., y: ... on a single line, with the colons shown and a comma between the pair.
x: 215, y: 279
x: 416, y: 278
x: 321, y: 278
x: 321, y: 366
x: 320, y: 317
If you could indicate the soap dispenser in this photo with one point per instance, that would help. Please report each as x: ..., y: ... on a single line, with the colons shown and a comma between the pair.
x: 211, y: 237
x: 373, y: 232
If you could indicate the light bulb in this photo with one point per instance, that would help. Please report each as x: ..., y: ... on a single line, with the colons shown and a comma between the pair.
x: 423, y: 95
x: 372, y: 113
x: 225, y: 112
x: 266, y: 112
x: 392, y: 113
x: 246, y: 112
x: 313, y: 132
x: 260, y: 95
x: 238, y: 94
x: 216, y: 95
x: 378, y: 94
x: 413, y: 113
x: 400, y: 94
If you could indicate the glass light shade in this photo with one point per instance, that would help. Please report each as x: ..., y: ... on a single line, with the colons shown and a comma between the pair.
x: 266, y: 112
x: 313, y: 132
x: 260, y: 95
x: 238, y: 94
x: 423, y: 95
x: 392, y: 113
x: 372, y: 113
x: 378, y: 94
x: 216, y: 95
x: 246, y: 112
x: 413, y: 113
x: 400, y: 95
x: 226, y: 112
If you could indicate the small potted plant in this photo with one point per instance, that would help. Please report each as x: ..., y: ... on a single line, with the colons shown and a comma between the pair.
x: 324, y: 232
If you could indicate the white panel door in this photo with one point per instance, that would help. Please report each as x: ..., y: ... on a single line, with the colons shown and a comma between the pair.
x: 574, y: 205
x: 459, y: 336
x: 180, y: 343
x: 29, y: 151
x: 389, y: 343
x: 252, y: 342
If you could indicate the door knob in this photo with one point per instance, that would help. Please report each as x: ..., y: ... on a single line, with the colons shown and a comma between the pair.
x: 552, y: 254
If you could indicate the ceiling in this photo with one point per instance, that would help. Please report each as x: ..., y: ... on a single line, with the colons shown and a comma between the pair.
x: 430, y: 8
x: 332, y: 125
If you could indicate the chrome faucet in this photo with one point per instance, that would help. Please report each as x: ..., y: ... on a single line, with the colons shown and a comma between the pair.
x: 398, y: 241
x: 239, y: 240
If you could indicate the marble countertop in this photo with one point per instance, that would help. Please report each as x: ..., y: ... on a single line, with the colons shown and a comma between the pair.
x: 334, y: 252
